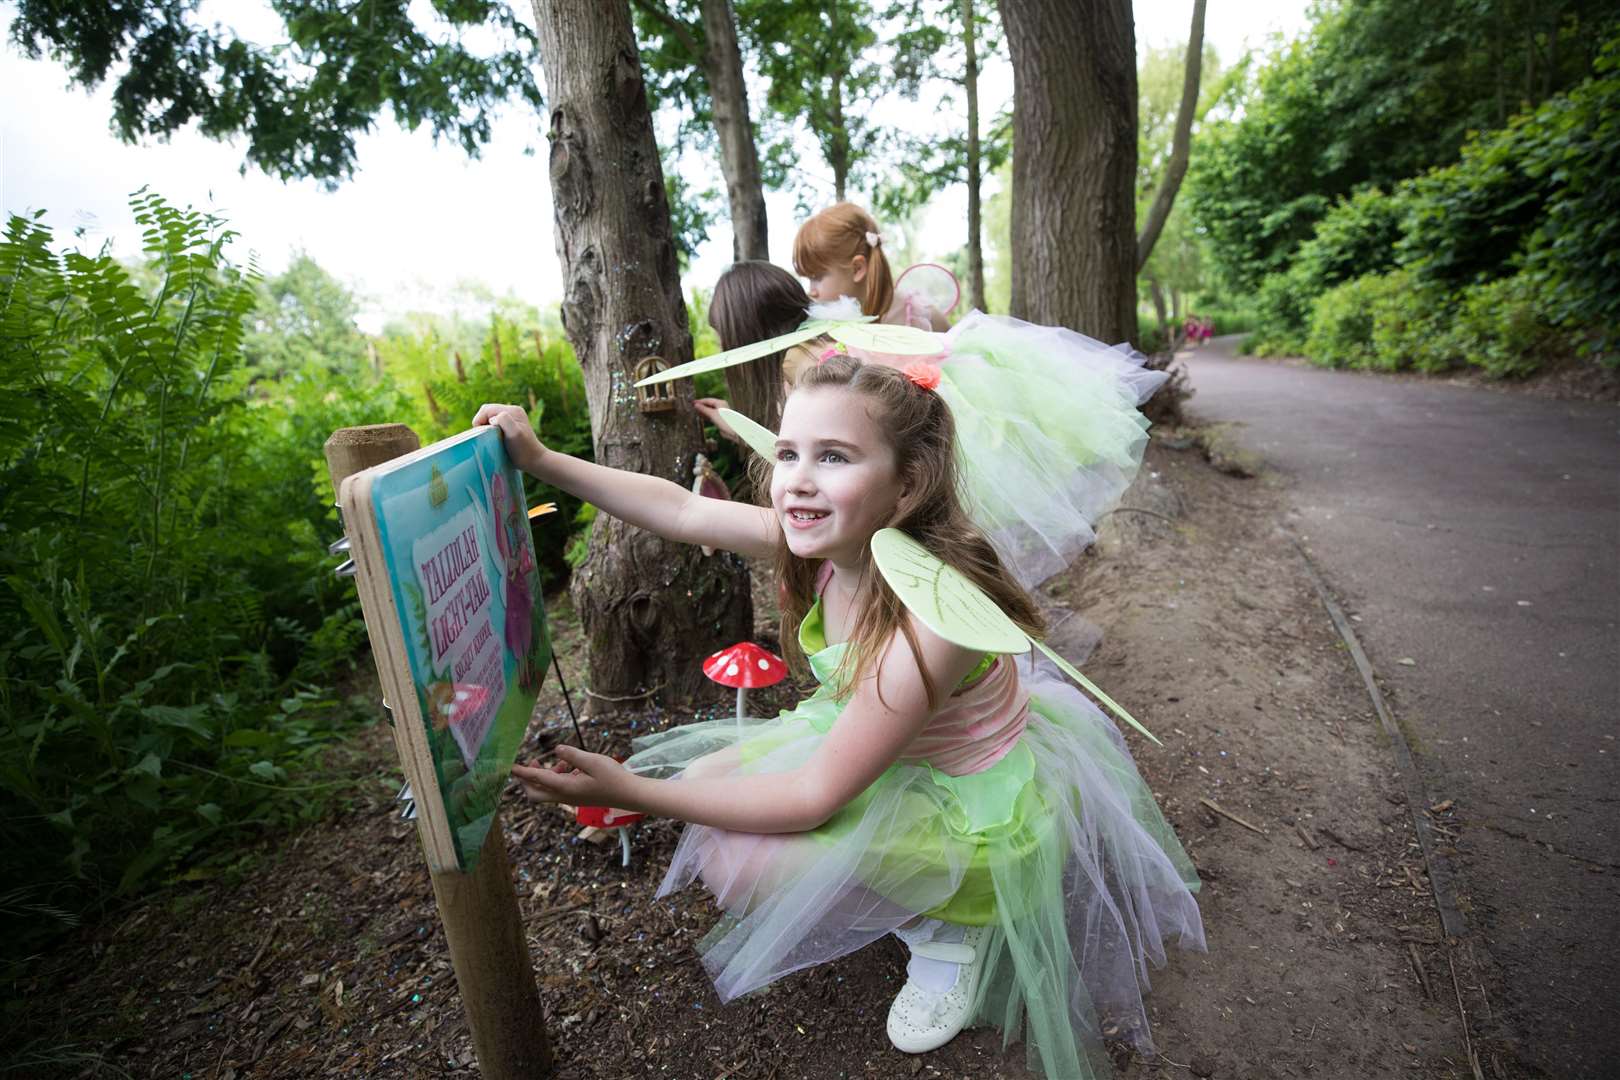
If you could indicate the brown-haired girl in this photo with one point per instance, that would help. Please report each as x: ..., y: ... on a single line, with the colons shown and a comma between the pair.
x: 979, y: 808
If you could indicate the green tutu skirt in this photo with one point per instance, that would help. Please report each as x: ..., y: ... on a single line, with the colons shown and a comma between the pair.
x: 1058, y: 847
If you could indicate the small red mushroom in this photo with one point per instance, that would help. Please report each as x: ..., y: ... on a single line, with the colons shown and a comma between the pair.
x: 747, y: 667
x: 604, y: 818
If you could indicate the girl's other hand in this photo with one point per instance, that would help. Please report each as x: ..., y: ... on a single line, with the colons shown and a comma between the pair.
x: 709, y: 408
x: 523, y: 446
x: 581, y: 779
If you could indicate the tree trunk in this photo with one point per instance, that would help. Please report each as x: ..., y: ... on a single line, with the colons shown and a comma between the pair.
x: 651, y: 609
x: 739, y: 155
x: 975, y: 238
x: 1157, y: 292
x: 839, y: 157
x: 1074, y: 164
x: 1180, y: 144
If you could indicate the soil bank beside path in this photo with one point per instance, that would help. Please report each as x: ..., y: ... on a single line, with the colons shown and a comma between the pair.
x: 322, y: 955
x: 1475, y: 532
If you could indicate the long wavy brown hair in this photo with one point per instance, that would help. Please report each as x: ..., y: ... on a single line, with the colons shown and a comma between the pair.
x: 753, y: 301
x: 918, y: 424
x: 834, y: 237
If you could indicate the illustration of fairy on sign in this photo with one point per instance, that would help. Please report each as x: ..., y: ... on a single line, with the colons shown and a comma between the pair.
x: 447, y: 577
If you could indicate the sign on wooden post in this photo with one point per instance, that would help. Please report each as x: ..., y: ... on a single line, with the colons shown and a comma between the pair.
x: 444, y: 558
x: 444, y: 564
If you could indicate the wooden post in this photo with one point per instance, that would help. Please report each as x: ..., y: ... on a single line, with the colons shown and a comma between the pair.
x: 479, y: 910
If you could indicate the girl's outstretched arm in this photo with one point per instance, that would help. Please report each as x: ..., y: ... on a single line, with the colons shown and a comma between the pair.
x: 647, y: 502
x: 869, y: 736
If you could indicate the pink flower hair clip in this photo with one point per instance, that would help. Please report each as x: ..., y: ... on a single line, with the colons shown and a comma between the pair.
x: 922, y: 373
x: 837, y: 348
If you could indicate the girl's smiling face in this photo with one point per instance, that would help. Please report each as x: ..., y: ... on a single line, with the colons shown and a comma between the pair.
x: 836, y: 480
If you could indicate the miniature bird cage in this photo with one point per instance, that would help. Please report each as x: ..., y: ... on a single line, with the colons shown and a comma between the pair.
x: 658, y: 397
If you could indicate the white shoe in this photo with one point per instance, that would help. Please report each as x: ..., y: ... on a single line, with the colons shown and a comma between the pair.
x: 921, y: 1020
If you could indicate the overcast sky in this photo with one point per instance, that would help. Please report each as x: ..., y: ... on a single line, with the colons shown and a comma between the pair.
x: 417, y: 218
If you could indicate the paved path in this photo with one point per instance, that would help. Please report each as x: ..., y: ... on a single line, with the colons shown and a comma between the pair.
x: 1477, y: 533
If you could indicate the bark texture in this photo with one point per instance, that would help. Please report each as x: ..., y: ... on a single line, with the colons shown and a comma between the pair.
x: 651, y: 610
x: 1180, y: 144
x: 970, y: 81
x: 1074, y: 164
x: 739, y: 155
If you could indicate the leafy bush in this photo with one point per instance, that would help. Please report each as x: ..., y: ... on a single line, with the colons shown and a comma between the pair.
x: 1342, y: 324
x: 1499, y: 327
x: 1573, y: 147
x: 1389, y: 322
x: 526, y: 363
x: 1282, y: 311
x: 1541, y: 194
x: 1412, y: 327
x: 1356, y: 237
x: 172, y: 626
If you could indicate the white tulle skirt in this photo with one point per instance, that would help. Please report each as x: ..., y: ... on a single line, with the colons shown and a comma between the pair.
x: 1048, y: 433
x: 1058, y: 847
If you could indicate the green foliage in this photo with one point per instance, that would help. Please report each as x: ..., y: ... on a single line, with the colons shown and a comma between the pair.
x: 1499, y: 327
x: 1542, y: 193
x: 299, y: 104
x: 1282, y: 309
x: 1473, y: 263
x: 304, y: 318
x: 520, y: 358
x: 1380, y: 90
x: 824, y: 76
x: 173, y: 627
x: 1572, y: 148
x: 1341, y: 324
x: 1393, y: 322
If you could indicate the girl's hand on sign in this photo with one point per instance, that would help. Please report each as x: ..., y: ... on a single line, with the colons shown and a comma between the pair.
x: 523, y: 446
x: 580, y: 779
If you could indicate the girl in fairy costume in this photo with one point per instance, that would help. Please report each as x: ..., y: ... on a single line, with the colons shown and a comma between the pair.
x: 1049, y: 431
x: 938, y: 786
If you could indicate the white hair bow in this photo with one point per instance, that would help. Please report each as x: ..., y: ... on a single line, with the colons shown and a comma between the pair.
x: 873, y: 239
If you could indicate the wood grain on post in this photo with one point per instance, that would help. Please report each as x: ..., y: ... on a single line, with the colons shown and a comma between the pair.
x: 479, y: 910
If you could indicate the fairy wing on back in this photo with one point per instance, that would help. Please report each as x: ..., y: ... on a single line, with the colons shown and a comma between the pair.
x: 860, y: 333
x: 744, y: 353
x: 883, y: 338
x: 760, y: 439
x: 931, y: 283
x: 942, y: 599
x: 959, y: 611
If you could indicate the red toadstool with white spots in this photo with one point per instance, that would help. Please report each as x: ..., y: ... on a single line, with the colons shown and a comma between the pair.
x: 747, y: 667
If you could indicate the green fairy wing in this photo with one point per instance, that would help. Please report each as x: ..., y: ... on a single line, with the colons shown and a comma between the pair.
x: 879, y: 337
x: 862, y: 333
x: 731, y: 357
x: 760, y: 439
x: 942, y: 599
x: 957, y: 610
x: 1091, y: 688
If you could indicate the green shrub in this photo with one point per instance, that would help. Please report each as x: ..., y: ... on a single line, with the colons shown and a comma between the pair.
x: 1341, y: 327
x: 1412, y: 327
x: 1499, y: 328
x: 1282, y: 310
x: 1541, y: 194
x: 1573, y: 259
x: 172, y: 627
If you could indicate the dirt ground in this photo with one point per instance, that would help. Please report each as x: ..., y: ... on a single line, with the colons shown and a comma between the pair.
x: 320, y: 954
